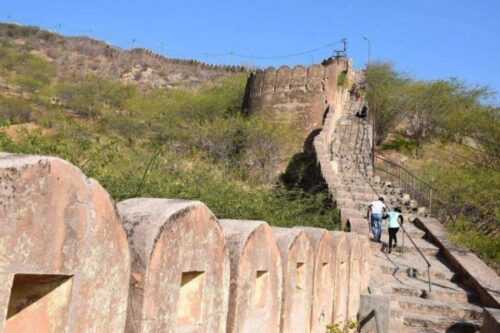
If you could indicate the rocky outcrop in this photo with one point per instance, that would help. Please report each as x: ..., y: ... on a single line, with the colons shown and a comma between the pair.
x: 83, y: 56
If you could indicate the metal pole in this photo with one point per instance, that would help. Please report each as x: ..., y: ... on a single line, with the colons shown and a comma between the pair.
x: 369, y: 50
x: 429, y: 277
x: 430, y: 201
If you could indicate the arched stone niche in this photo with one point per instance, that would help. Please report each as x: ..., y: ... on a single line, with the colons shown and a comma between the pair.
x: 180, y: 269
x: 324, y: 275
x: 256, y: 277
x: 297, y: 256
x: 341, y: 288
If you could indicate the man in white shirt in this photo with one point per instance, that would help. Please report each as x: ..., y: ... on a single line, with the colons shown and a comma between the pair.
x: 376, y: 211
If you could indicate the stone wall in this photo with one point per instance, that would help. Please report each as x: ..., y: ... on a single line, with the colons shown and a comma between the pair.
x: 66, y: 264
x: 301, y: 94
x: 324, y: 278
x: 64, y: 257
x: 300, y: 97
x: 180, y: 275
x: 297, y: 256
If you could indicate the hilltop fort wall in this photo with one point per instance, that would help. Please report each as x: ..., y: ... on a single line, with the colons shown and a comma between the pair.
x: 299, y: 94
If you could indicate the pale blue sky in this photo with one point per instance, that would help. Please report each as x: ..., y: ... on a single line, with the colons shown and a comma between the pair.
x: 427, y: 38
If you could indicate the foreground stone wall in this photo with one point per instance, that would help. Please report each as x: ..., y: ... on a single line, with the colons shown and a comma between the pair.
x: 297, y: 254
x: 64, y: 257
x: 341, y: 288
x: 70, y: 263
x: 324, y: 275
x: 256, y: 277
x: 180, y: 274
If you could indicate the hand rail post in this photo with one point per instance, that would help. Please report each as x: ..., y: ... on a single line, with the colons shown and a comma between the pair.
x: 430, y: 201
x: 429, y: 276
x: 403, y: 244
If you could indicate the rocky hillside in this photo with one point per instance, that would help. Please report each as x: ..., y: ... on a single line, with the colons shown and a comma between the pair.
x: 82, y: 56
x: 76, y: 98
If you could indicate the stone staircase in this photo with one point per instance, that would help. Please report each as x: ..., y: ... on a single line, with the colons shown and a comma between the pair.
x: 403, y: 275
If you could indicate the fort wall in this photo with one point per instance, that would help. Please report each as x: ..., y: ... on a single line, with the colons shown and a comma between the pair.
x: 302, y: 94
x: 180, y: 275
x: 64, y: 257
x: 70, y: 263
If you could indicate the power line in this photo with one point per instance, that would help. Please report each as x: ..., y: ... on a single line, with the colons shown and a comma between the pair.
x: 261, y: 57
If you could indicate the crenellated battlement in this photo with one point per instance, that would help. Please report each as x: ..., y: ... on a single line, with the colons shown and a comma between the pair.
x: 306, y: 91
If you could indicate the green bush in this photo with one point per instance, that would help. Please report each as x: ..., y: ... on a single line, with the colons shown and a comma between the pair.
x: 342, y: 79
x: 24, y: 69
x: 14, y: 111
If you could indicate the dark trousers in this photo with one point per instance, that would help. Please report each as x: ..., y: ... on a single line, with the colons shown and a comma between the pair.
x: 392, y: 236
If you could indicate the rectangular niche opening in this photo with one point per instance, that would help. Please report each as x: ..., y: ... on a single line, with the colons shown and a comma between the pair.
x: 261, y: 288
x: 35, y: 296
x: 325, y: 276
x: 300, y: 281
x: 190, y: 303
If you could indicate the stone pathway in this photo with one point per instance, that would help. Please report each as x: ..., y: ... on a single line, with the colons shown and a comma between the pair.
x: 402, y: 275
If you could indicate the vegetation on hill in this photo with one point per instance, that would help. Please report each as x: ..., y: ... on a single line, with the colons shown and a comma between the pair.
x: 191, y: 144
x: 78, y: 57
x: 447, y: 135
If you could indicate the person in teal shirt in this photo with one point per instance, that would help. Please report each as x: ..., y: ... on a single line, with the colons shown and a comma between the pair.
x: 395, y: 221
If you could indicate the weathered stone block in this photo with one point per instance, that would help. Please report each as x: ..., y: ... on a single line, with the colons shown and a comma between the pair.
x: 180, y: 269
x: 64, y: 257
x: 256, y: 277
x: 324, y: 276
x: 355, y: 267
x: 341, y: 278
x: 366, y: 260
x: 374, y: 314
x: 297, y: 256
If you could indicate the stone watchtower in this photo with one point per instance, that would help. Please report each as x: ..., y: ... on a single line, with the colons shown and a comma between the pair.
x: 304, y: 93
x: 301, y: 95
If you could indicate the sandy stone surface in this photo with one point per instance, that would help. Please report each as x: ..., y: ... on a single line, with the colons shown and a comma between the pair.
x: 63, y: 251
x: 256, y: 277
x: 180, y: 270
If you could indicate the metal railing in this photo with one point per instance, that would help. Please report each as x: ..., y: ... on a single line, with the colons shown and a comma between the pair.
x: 417, y: 188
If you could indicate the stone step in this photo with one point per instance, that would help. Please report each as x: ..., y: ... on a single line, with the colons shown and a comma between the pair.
x: 409, y: 229
x: 354, y: 213
x: 414, y: 287
x: 347, y: 204
x: 356, y: 188
x: 403, y: 271
x: 454, y: 311
x: 432, y: 323
x: 427, y: 248
x: 400, y: 264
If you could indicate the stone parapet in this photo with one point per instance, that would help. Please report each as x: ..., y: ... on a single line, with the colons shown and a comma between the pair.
x: 256, y: 277
x: 64, y: 257
x: 297, y: 257
x: 180, y: 272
